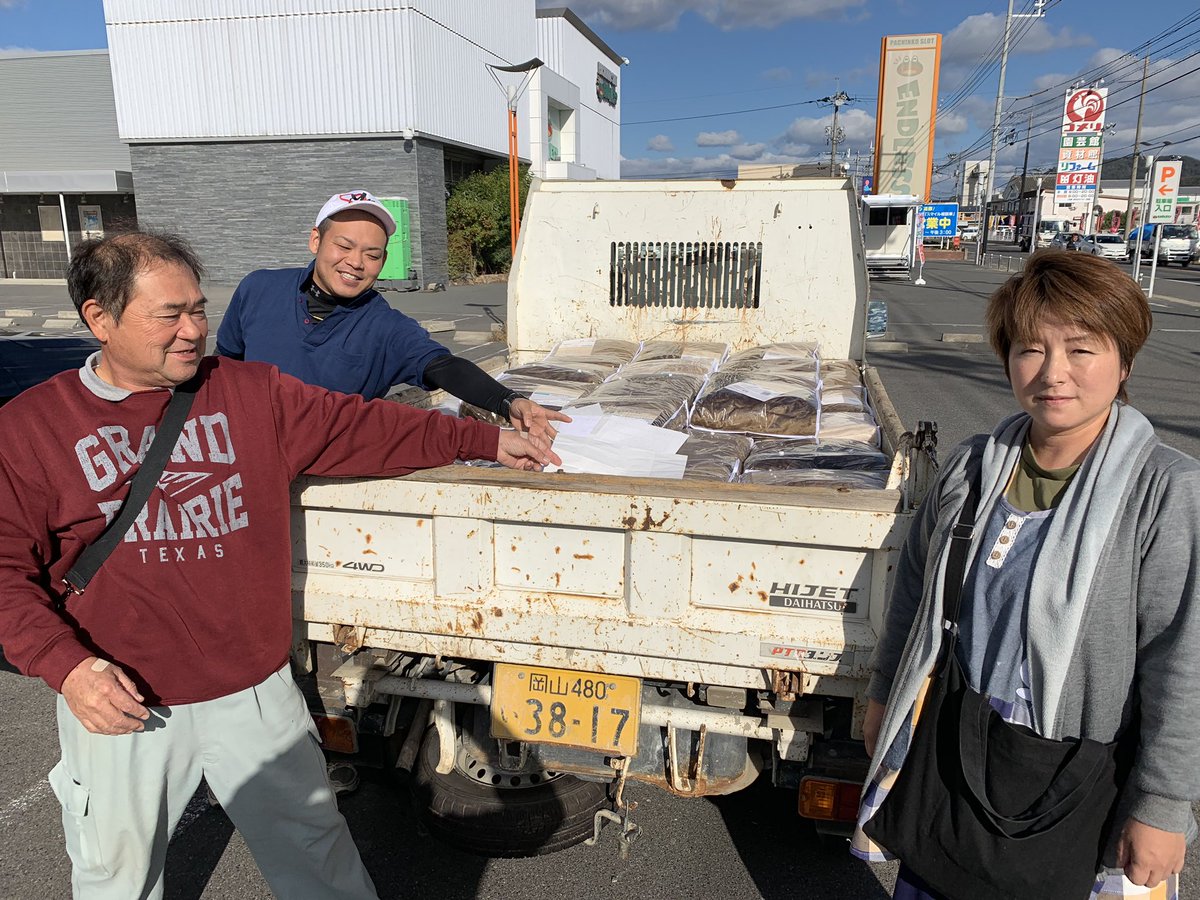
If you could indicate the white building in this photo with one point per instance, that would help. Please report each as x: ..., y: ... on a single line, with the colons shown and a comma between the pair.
x: 243, y: 116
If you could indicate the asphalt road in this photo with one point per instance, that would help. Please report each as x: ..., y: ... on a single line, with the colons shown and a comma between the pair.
x: 743, y: 847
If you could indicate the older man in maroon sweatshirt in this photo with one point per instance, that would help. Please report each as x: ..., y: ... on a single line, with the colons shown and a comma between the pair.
x: 173, y: 664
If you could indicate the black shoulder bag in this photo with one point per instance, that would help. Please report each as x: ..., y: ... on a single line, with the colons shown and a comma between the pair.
x: 983, y: 809
x: 94, y: 555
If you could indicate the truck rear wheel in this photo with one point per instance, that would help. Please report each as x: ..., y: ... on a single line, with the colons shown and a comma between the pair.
x: 486, y: 811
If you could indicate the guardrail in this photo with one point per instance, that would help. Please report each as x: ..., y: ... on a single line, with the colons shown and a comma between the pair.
x: 1004, y: 262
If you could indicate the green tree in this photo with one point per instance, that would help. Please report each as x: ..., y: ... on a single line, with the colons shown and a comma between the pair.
x: 477, y: 222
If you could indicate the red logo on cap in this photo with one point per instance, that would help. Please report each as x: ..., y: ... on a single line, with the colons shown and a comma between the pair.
x: 356, y: 197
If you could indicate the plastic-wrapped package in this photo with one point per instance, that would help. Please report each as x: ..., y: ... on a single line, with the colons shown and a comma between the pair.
x: 714, y: 457
x: 839, y: 427
x: 778, y: 351
x: 783, y: 454
x: 766, y: 398
x: 552, y: 394
x: 837, y: 399
x: 657, y: 392
x: 834, y: 478
x: 564, y: 371
x: 837, y: 373
x: 597, y: 351
x: 698, y: 368
x: 711, y: 352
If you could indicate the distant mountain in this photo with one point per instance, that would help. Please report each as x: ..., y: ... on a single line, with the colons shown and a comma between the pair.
x: 1117, y: 169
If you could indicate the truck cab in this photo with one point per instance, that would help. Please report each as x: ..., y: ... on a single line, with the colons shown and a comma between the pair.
x: 1047, y: 230
x: 1179, y: 243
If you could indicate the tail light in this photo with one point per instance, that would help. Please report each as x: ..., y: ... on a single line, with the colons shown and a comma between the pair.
x: 829, y: 799
x: 338, y: 733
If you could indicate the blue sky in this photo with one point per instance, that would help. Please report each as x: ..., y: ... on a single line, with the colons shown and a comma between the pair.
x: 691, y: 58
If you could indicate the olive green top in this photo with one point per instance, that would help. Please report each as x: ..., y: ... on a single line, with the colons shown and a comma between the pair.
x: 1035, y: 489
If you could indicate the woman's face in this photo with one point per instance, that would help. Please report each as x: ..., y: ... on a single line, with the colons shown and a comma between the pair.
x: 1066, y: 380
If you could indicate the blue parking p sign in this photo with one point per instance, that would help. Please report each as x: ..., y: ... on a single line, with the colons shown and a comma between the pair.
x: 941, y: 219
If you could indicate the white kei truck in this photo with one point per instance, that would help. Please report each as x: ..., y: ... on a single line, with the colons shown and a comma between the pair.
x: 526, y: 644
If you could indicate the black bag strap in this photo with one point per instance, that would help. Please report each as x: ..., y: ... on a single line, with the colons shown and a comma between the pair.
x: 956, y: 564
x: 94, y: 555
x: 1073, y: 782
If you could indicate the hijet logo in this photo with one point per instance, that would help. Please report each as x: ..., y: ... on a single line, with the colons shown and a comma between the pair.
x: 814, y: 597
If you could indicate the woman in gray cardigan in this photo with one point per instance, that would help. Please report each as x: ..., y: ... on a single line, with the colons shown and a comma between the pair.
x: 1081, y: 605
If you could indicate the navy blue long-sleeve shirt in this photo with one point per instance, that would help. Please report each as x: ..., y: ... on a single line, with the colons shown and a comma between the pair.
x: 362, y: 348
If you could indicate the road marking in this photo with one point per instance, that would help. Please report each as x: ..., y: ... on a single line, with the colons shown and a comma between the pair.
x: 1180, y: 330
x: 16, y: 808
x: 960, y: 338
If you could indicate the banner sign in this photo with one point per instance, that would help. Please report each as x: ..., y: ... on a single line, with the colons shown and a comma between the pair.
x: 1164, y: 191
x: 941, y: 219
x: 1080, y: 146
x: 906, y: 113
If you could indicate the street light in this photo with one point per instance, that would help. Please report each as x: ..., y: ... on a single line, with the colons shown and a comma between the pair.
x: 512, y: 94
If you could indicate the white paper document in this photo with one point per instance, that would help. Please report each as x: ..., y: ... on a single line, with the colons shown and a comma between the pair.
x: 599, y: 443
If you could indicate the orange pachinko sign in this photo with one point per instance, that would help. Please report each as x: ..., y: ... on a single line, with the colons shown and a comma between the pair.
x: 906, y: 114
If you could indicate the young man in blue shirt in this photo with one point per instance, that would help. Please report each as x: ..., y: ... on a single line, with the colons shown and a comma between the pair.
x: 327, y: 325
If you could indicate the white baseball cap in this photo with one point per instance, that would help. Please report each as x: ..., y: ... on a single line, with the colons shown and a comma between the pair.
x: 363, y: 200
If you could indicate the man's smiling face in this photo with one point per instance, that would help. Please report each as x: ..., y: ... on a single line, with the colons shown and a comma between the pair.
x: 350, y: 251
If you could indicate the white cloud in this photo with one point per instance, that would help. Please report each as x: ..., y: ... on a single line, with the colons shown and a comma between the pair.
x: 717, y: 138
x: 660, y: 143
x: 952, y: 123
x: 748, y: 152
x: 806, y: 133
x: 724, y: 165
x: 11, y: 4
x: 728, y: 15
x: 972, y: 39
x: 16, y: 51
x: 779, y: 73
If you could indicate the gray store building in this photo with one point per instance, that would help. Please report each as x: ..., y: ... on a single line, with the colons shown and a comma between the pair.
x: 64, y: 172
x: 242, y: 121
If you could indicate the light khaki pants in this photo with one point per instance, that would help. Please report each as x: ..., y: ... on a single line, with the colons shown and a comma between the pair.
x: 123, y: 796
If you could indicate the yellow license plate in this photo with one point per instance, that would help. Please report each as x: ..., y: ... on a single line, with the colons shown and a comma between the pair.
x: 558, y: 706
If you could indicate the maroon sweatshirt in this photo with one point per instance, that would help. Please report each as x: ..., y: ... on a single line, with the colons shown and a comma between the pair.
x: 195, y: 603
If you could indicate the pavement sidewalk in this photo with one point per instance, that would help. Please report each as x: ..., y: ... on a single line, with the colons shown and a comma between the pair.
x: 461, y: 317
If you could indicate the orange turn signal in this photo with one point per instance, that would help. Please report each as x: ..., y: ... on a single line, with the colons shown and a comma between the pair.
x: 338, y: 733
x: 829, y: 799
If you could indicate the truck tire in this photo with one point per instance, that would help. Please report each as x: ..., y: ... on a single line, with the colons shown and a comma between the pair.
x: 496, y: 819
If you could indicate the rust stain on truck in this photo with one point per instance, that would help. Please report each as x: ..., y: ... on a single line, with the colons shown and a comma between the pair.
x: 647, y: 521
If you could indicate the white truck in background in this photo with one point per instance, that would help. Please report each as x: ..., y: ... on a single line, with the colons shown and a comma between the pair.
x: 1179, y: 243
x: 526, y: 644
x: 1047, y: 230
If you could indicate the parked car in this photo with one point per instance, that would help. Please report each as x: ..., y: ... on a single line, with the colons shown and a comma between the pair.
x: 1110, y: 246
x: 1067, y: 240
x: 969, y: 232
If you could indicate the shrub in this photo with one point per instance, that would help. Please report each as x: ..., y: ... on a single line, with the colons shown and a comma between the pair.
x: 477, y: 222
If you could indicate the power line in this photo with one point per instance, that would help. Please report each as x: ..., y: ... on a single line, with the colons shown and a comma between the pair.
x: 732, y: 112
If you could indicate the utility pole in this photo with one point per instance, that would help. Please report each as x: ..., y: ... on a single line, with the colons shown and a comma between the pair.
x: 981, y: 244
x: 1137, y: 143
x: 1024, y: 176
x: 835, y: 133
x: 1038, y: 12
